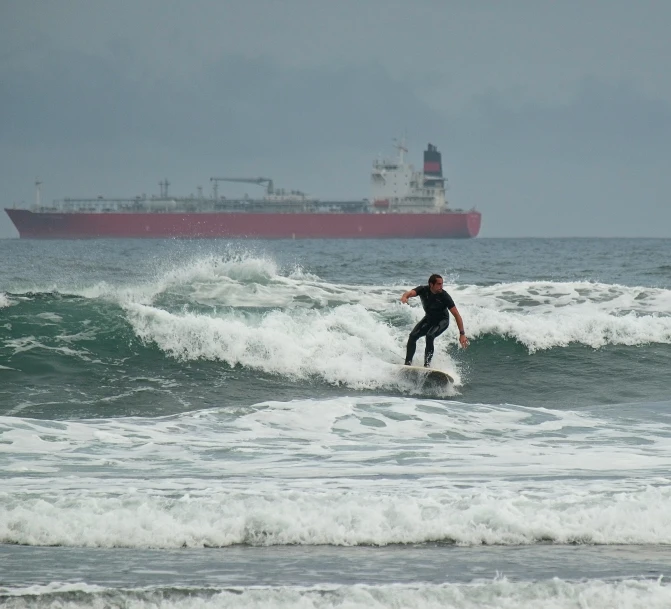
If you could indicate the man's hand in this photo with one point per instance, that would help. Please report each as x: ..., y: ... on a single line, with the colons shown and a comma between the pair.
x: 408, y: 294
x: 463, y: 341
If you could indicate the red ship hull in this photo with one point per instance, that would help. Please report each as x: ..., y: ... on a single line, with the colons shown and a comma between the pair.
x: 54, y: 225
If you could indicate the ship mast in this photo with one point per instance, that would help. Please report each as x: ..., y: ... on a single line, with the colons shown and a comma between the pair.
x: 38, y: 197
x: 402, y: 149
x: 163, y: 185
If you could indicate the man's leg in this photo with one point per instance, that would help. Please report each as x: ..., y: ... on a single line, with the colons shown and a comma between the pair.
x: 417, y: 332
x: 434, y: 331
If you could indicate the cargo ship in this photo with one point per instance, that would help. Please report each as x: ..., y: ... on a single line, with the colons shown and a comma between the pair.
x: 404, y: 203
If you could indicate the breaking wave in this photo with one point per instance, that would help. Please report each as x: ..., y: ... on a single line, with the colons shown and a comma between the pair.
x: 499, y: 593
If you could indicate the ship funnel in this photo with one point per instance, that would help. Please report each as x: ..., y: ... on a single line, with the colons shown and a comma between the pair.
x: 433, y: 167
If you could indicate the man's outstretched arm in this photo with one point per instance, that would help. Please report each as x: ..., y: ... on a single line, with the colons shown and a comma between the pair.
x: 408, y: 294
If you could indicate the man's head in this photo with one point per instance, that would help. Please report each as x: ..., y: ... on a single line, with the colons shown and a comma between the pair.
x: 435, y: 283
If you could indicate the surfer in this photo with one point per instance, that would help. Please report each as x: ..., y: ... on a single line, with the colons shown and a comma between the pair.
x: 438, y: 304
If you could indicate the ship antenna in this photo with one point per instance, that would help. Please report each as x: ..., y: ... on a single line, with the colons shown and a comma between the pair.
x: 38, y: 198
x: 402, y: 149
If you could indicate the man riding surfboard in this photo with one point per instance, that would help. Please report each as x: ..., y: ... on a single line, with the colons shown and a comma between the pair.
x: 438, y: 304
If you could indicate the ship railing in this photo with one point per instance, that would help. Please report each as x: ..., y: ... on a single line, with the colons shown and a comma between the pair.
x: 99, y: 205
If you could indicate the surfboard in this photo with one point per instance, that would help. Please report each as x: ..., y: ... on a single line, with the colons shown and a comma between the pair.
x: 426, y: 375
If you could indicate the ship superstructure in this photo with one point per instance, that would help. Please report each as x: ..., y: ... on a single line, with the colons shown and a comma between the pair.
x: 397, y: 187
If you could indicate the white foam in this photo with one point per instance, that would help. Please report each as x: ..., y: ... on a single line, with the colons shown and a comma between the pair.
x: 452, y: 438
x: 345, y: 471
x: 542, y: 315
x: 268, y: 515
x: 50, y: 316
x: 237, y: 279
x: 37, y: 590
x: 347, y: 344
x: 547, y: 297
x: 497, y: 594
x: 4, y: 300
x: 244, y: 281
x: 28, y: 343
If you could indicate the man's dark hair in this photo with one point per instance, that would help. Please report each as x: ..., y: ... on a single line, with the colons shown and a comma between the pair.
x: 434, y: 278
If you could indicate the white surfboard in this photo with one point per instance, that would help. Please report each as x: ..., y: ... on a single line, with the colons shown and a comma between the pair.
x: 426, y: 375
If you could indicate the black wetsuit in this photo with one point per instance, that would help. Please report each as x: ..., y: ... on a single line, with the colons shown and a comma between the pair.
x: 434, y: 323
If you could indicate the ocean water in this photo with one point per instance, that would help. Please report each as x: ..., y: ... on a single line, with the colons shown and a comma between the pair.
x: 222, y: 424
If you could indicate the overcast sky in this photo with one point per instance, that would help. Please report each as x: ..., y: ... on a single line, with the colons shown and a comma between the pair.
x: 554, y: 117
